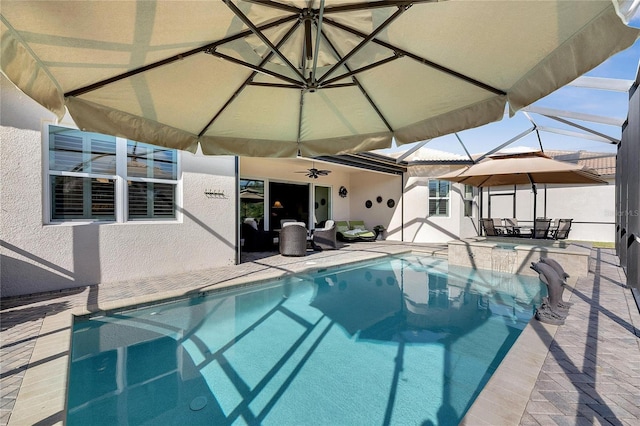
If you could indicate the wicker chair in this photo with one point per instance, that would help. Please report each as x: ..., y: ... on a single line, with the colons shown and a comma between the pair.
x: 326, y: 237
x: 293, y: 239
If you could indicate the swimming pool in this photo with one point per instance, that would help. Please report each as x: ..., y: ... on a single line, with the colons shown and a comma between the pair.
x: 402, y: 340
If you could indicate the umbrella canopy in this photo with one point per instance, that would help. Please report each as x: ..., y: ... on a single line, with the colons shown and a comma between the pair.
x: 281, y: 78
x: 249, y: 196
x: 519, y: 169
x: 523, y: 168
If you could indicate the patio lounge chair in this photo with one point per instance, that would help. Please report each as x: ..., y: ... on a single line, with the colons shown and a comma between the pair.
x: 363, y: 233
x: 342, y: 231
x: 325, y: 238
x: 353, y: 231
x: 490, y: 229
x: 561, y: 231
x: 293, y: 239
x: 512, y: 227
x: 541, y: 228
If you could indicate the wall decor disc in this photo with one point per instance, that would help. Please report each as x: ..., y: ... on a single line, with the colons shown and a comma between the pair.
x: 368, y: 204
x: 390, y: 203
x: 342, y: 192
x: 379, y: 199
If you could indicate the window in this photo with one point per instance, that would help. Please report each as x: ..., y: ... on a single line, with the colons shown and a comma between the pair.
x: 439, y: 198
x: 148, y: 170
x: 104, y: 178
x: 468, y: 201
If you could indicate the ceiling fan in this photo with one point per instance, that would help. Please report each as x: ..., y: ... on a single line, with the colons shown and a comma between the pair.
x: 314, y: 173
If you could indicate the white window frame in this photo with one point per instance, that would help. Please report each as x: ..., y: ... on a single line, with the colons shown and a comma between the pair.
x: 438, y: 198
x: 121, y: 187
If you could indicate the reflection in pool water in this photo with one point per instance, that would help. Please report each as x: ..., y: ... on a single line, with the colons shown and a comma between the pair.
x: 404, y: 340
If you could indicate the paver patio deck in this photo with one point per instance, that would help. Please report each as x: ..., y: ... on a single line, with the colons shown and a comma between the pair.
x: 584, y: 372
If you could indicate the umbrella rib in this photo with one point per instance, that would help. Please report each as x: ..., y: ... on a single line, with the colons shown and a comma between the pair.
x: 255, y: 30
x: 297, y: 86
x: 366, y: 41
x: 375, y: 5
x: 174, y: 58
x: 280, y: 86
x: 318, y: 31
x: 250, y: 78
x: 417, y: 58
x: 275, y: 5
x: 360, y: 70
x: 255, y: 68
x: 357, y: 82
x: 480, y: 184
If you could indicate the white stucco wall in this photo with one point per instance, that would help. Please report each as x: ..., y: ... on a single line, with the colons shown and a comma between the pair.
x: 422, y: 228
x: 35, y: 256
x: 368, y: 186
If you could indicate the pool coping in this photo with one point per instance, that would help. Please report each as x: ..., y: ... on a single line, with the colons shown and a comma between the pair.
x: 42, y: 395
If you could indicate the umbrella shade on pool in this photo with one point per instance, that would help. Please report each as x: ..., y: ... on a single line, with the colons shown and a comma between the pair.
x: 286, y: 78
x: 520, y: 169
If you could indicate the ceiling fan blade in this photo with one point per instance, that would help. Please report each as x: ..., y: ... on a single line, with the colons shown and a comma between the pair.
x: 314, y: 173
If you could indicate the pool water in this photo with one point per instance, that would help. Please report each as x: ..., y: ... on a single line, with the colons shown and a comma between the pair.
x: 402, y: 340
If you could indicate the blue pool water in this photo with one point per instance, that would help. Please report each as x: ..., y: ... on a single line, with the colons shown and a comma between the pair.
x: 400, y: 341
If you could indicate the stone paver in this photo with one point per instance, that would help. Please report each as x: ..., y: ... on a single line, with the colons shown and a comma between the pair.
x: 584, y: 372
x: 590, y: 373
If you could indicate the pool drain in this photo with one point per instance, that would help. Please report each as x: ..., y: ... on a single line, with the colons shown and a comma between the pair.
x: 198, y: 403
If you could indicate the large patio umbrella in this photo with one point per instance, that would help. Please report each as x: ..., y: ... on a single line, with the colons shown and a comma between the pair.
x: 282, y: 78
x: 521, y: 169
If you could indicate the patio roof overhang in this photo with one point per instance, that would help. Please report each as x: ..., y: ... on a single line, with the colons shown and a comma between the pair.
x: 367, y: 161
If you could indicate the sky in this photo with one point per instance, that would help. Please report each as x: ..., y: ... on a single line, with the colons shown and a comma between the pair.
x: 623, y: 65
